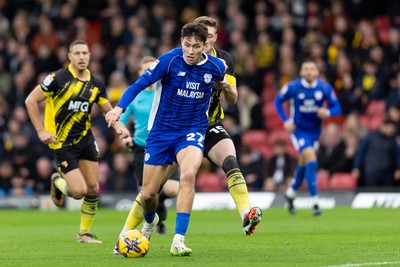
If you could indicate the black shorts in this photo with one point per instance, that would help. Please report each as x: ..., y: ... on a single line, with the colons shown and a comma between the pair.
x: 68, y: 156
x: 214, y: 134
x: 138, y: 161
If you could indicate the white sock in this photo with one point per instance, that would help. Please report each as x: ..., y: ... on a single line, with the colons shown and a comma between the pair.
x: 178, y: 238
x: 315, y: 200
x: 243, y: 212
x: 290, y: 193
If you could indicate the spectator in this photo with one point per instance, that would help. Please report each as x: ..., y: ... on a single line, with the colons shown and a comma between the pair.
x: 44, y: 169
x: 251, y: 163
x: 280, y: 168
x: 249, y: 109
x: 331, y: 147
x: 393, y: 96
x: 20, y: 186
x: 337, y: 151
x: 122, y: 179
x: 6, y: 172
x: 378, y: 160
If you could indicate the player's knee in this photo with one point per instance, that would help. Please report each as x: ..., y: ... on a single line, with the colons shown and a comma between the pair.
x: 78, y: 194
x: 93, y: 190
x: 188, y: 176
x: 230, y: 163
x: 148, y: 197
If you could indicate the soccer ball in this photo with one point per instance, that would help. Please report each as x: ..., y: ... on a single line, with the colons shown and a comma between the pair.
x: 133, y: 244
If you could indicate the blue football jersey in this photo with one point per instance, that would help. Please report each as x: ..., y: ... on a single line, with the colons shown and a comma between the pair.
x: 305, y: 100
x: 182, y: 101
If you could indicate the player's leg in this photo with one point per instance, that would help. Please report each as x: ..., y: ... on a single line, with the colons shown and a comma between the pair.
x: 90, y: 172
x: 135, y: 216
x: 310, y: 174
x: 189, y: 160
x: 169, y: 189
x: 66, y: 161
x: 223, y: 154
x: 301, y: 142
x: 152, y: 177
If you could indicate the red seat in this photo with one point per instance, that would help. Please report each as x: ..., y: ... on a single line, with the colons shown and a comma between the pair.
x: 376, y: 107
x: 210, y: 182
x: 375, y: 122
x: 268, y: 79
x: 323, y: 180
x: 343, y: 181
x: 268, y: 94
x: 255, y: 138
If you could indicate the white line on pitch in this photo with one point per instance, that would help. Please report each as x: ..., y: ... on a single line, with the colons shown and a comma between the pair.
x: 365, y: 264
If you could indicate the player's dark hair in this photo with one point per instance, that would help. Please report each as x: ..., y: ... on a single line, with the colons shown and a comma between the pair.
x: 208, y: 21
x: 77, y: 42
x: 309, y: 60
x: 195, y: 29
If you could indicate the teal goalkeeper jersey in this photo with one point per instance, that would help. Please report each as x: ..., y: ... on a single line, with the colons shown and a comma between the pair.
x: 139, y: 109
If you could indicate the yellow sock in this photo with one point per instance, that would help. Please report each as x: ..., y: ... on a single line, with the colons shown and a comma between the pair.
x: 88, y: 212
x: 61, y: 184
x: 135, y: 216
x: 238, y: 190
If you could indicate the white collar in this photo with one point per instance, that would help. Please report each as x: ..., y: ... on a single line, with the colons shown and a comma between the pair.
x: 307, y: 85
x: 201, y: 62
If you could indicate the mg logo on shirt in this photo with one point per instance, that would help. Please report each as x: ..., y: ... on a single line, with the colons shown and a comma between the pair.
x: 78, y: 106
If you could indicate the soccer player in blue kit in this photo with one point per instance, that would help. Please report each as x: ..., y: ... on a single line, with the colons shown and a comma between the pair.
x: 307, y: 97
x: 177, y: 124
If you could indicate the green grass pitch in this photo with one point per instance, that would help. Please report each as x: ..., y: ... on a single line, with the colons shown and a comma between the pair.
x: 340, y: 237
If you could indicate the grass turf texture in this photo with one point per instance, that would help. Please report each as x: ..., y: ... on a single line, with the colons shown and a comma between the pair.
x: 340, y: 236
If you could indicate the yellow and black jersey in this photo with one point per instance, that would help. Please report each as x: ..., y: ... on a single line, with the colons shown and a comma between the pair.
x: 215, y: 112
x: 69, y: 103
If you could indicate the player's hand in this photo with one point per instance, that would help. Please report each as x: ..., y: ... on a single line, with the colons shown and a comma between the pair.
x: 355, y: 173
x: 289, y: 126
x: 121, y: 130
x: 222, y: 85
x: 127, y: 141
x: 322, y: 113
x: 46, y: 137
x: 113, y: 116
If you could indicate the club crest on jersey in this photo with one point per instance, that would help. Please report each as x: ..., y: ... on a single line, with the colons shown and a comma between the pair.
x: 301, y: 96
x: 207, y: 78
x: 64, y: 164
x: 318, y: 95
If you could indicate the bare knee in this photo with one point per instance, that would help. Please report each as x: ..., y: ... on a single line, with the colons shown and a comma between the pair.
x: 78, y: 193
x: 148, y: 196
x: 187, y: 177
x: 93, y: 190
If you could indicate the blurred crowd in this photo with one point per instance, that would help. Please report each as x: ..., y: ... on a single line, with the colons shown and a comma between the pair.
x: 356, y: 44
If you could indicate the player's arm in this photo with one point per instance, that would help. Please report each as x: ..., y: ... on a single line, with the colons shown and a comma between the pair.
x: 124, y: 119
x: 284, y: 95
x: 334, y: 105
x: 129, y: 95
x: 154, y: 73
x: 228, y: 85
x: 229, y: 90
x: 32, y: 105
x: 120, y: 129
